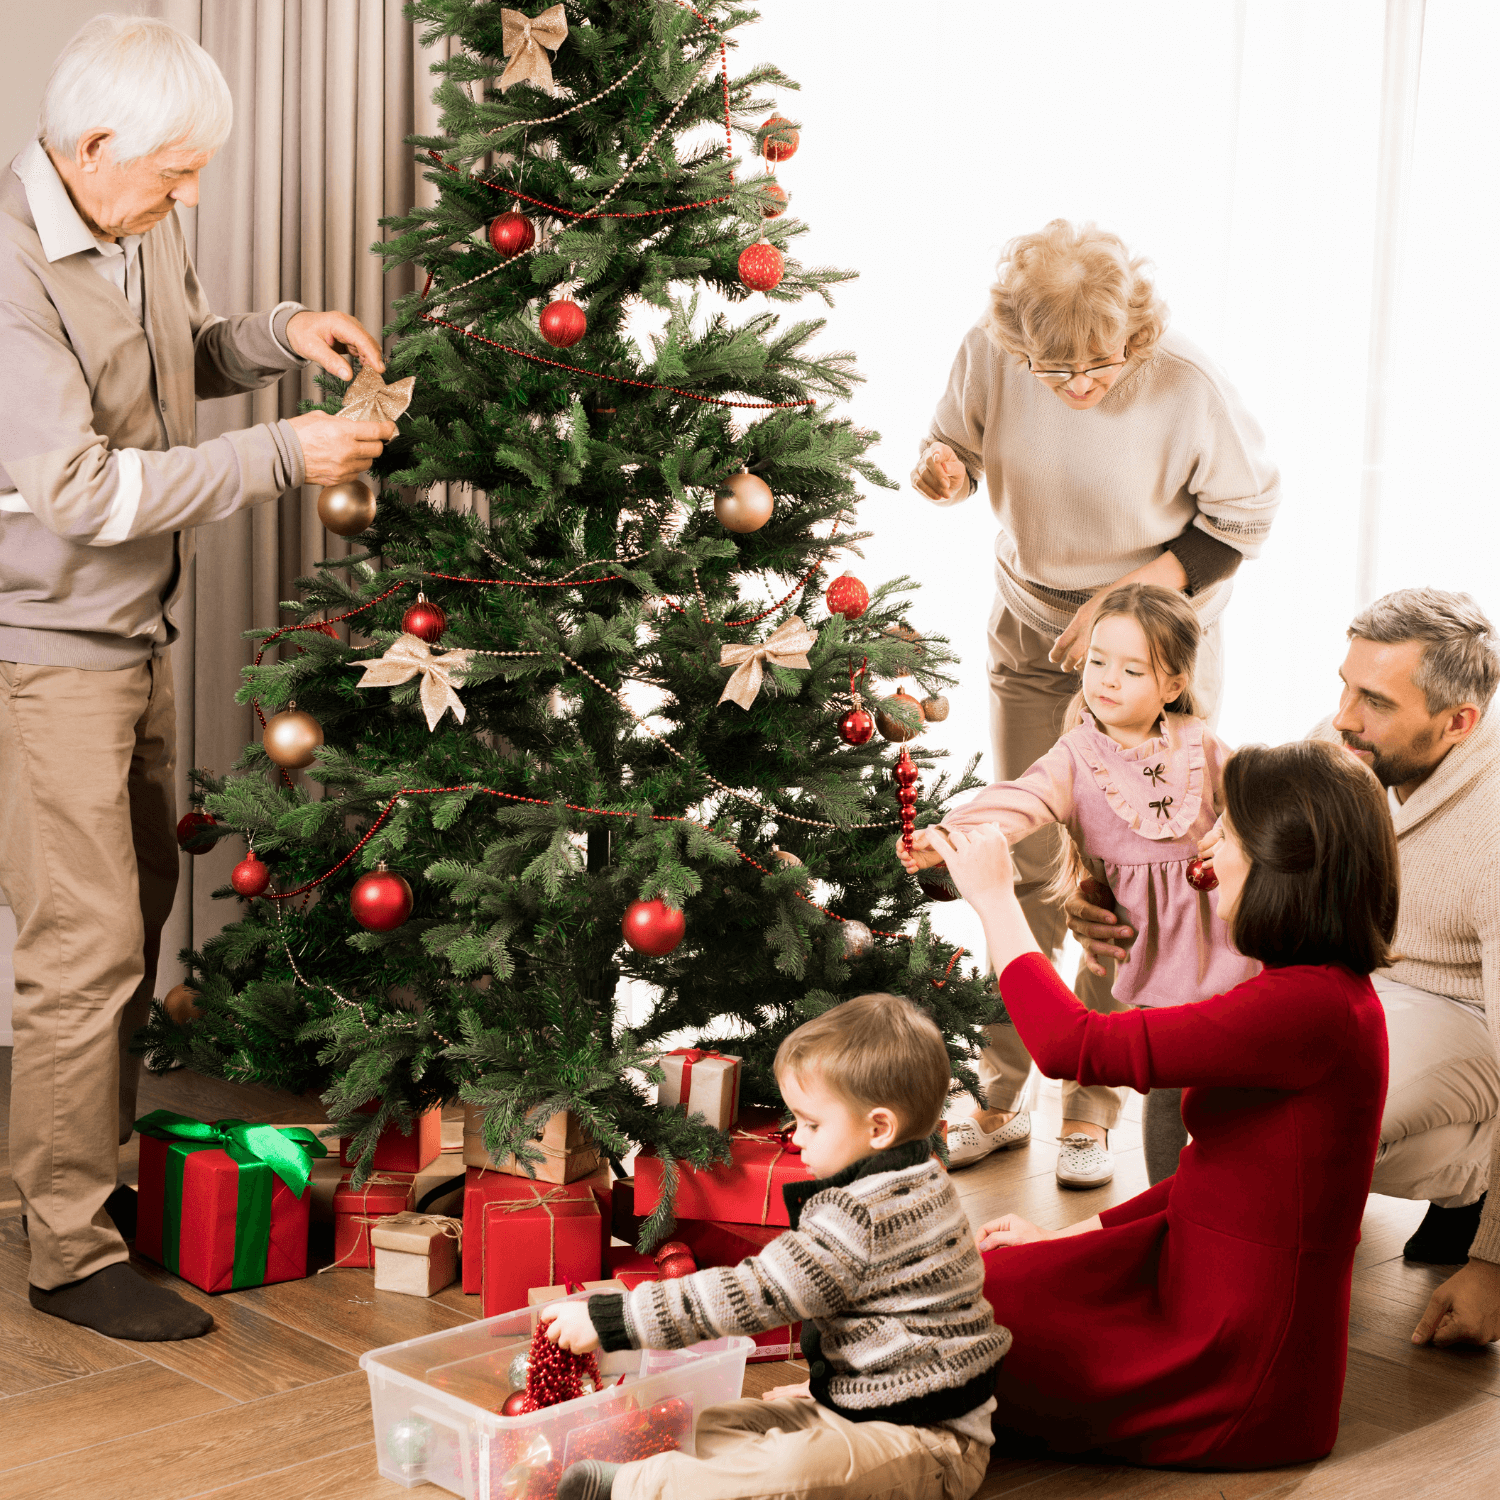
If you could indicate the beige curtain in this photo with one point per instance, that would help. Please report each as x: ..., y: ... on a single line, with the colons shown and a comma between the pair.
x: 325, y: 92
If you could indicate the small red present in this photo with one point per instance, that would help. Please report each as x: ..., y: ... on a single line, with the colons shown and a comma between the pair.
x: 537, y: 1241
x: 630, y: 1268
x: 224, y: 1205
x: 708, y: 1083
x: 483, y: 1186
x: 356, y: 1209
x: 747, y: 1191
x: 395, y: 1152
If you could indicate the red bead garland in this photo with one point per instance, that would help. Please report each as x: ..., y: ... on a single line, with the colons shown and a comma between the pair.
x: 552, y: 1373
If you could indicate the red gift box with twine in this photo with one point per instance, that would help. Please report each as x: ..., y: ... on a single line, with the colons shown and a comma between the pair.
x: 355, y: 1210
x: 543, y: 1240
x: 747, y: 1191
x: 395, y: 1152
x: 483, y: 1186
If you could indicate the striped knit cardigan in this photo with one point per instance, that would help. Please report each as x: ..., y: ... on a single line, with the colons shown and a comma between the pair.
x: 881, y: 1267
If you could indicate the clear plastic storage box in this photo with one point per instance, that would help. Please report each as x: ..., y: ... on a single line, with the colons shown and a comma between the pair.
x: 436, y: 1406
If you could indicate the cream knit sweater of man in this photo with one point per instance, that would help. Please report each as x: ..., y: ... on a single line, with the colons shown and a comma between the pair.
x: 1084, y: 497
x: 1448, y: 932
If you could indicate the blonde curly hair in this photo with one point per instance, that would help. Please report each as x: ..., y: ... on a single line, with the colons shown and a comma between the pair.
x: 1069, y: 292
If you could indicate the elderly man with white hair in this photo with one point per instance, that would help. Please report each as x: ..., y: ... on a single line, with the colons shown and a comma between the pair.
x: 106, y: 341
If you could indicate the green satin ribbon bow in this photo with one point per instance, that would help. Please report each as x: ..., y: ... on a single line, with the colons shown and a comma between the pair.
x: 286, y: 1149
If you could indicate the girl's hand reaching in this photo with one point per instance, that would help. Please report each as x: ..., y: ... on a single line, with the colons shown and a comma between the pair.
x: 1011, y: 1230
x: 978, y: 859
x: 922, y: 855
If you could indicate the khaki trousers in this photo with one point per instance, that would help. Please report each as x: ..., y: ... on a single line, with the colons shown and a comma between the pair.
x: 88, y: 863
x: 764, y: 1450
x: 1028, y: 698
x: 1442, y: 1100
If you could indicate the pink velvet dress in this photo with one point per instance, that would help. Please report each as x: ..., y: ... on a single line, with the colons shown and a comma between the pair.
x: 1139, y: 814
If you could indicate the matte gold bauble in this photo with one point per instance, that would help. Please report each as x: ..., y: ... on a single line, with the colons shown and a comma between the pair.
x: 743, y: 503
x: 347, y: 509
x: 292, y: 738
x: 935, y: 709
x: 181, y: 1004
x: 890, y: 727
x: 785, y: 857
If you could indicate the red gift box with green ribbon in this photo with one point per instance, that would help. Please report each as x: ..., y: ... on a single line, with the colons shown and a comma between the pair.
x: 224, y: 1205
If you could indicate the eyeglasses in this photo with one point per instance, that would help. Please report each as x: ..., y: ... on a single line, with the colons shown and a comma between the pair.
x: 1061, y: 377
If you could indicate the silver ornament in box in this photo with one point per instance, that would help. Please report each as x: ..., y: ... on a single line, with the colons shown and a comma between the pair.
x: 408, y: 1443
x: 516, y: 1372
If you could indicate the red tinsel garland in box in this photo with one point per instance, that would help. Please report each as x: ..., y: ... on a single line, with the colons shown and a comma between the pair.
x: 636, y: 1434
x: 553, y: 1374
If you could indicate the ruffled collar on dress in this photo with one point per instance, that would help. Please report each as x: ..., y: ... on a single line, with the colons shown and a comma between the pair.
x: 1156, y: 789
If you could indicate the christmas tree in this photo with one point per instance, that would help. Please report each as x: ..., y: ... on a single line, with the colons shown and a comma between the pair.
x: 583, y: 732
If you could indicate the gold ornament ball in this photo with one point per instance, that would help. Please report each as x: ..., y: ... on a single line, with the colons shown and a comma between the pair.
x: 292, y: 738
x: 347, y: 509
x: 785, y: 857
x: 935, y: 709
x: 891, y: 728
x: 181, y: 1004
x: 744, y: 503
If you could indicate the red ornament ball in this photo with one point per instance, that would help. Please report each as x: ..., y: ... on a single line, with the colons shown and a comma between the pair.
x: 847, y: 596
x: 856, y: 727
x: 761, y: 266
x: 653, y: 927
x: 773, y: 199
x: 936, y: 886
x: 781, y: 143
x: 512, y: 233
x: 425, y: 620
x: 195, y: 832
x: 672, y: 1247
x: 517, y: 1404
x: 1096, y: 893
x: 1201, y: 875
x: 563, y: 323
x: 674, y: 1414
x: 676, y: 1266
x: 251, y: 876
x: 380, y: 901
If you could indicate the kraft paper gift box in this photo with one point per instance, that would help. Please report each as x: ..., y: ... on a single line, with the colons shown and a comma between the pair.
x: 395, y: 1152
x: 415, y: 1254
x: 536, y: 1242
x: 540, y: 1296
x: 747, y: 1191
x: 568, y: 1151
x: 224, y: 1205
x: 708, y: 1083
x: 356, y: 1210
x: 483, y: 1186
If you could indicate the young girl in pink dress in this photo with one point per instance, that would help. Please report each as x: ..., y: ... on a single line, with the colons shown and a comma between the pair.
x: 1137, y: 781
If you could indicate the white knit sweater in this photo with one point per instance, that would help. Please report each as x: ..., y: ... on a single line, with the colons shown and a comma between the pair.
x: 1083, y: 497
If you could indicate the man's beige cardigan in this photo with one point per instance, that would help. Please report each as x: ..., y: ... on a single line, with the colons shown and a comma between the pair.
x: 97, y: 435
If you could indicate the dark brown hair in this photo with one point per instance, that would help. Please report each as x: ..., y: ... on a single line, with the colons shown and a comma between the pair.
x: 877, y: 1051
x: 1324, y: 880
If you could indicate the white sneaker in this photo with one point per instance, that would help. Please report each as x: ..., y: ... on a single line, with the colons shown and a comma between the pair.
x: 968, y: 1143
x: 1083, y: 1162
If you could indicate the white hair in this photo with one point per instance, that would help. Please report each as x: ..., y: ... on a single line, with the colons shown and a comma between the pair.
x: 142, y: 79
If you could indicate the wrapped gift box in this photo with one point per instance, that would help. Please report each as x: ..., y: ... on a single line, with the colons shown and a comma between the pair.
x: 747, y: 1191
x: 416, y: 1254
x: 568, y: 1151
x: 537, y: 1242
x: 630, y: 1268
x: 540, y: 1296
x: 483, y: 1186
x: 356, y: 1210
x: 224, y: 1206
x: 395, y: 1152
x: 708, y: 1083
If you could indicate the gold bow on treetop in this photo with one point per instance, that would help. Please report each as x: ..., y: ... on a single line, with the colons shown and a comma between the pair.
x: 786, y: 646
x: 524, y: 38
x: 406, y: 657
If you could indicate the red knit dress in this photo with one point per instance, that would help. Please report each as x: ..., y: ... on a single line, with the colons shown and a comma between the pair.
x: 1207, y: 1323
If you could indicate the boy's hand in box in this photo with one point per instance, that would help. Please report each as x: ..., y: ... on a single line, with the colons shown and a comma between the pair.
x: 568, y: 1325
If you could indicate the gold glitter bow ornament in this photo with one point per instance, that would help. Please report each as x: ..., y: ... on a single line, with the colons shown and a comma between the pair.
x: 786, y: 646
x: 407, y: 656
x: 524, y: 38
x: 370, y: 399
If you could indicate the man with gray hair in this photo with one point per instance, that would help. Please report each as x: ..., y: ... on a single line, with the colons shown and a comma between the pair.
x: 1419, y: 678
x: 106, y: 341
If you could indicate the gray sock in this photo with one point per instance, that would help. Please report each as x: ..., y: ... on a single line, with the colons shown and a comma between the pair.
x: 1163, y: 1135
x: 589, y: 1480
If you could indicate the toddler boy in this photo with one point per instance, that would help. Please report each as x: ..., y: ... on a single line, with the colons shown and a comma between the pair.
x: 879, y: 1266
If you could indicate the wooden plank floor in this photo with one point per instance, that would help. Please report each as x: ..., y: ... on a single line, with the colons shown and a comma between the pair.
x: 272, y: 1404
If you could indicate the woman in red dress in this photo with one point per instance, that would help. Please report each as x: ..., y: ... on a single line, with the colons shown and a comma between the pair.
x: 1206, y: 1321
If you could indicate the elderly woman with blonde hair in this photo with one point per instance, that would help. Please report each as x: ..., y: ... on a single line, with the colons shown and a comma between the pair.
x: 1114, y: 452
